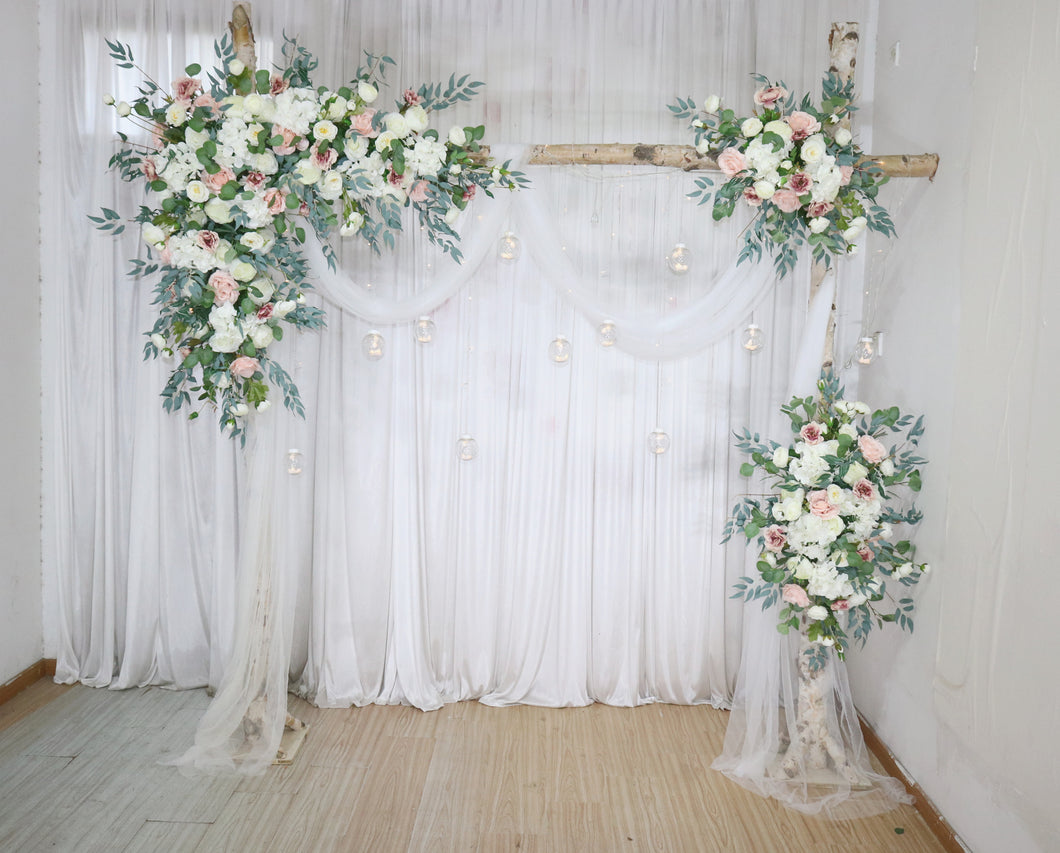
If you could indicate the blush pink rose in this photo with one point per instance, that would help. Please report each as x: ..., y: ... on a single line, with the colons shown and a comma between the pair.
x: 841, y: 604
x: 411, y: 98
x: 821, y: 506
x: 800, y: 183
x: 802, y: 125
x: 224, y: 288
x: 865, y: 490
x: 792, y: 593
x: 775, y: 537
x: 303, y: 209
x: 418, y: 192
x: 276, y: 199
x: 218, y: 179
x: 786, y: 200
x: 362, y: 124
x: 208, y: 239
x: 289, y: 136
x: 847, y: 172
x: 277, y: 84
x: 812, y: 433
x: 731, y: 162
x: 751, y: 197
x: 324, y: 159
x: 208, y: 102
x: 871, y: 449
x: 265, y: 311
x: 185, y: 88
x: 469, y: 193
x: 245, y: 367
x: 769, y: 95
x: 819, y: 208
x: 147, y: 165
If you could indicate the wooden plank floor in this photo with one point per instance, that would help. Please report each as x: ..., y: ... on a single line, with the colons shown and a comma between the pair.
x: 80, y: 773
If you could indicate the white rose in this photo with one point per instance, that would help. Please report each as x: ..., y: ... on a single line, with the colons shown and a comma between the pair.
x: 384, y: 140
x: 451, y: 215
x: 764, y: 190
x: 108, y: 99
x: 818, y: 224
x: 242, y: 271
x: 195, y: 138
x: 331, y: 185
x: 416, y: 118
x: 817, y: 613
x: 367, y: 92
x: 842, y: 136
x: 396, y: 124
x: 826, y: 641
x: 219, y: 211
x: 252, y: 240
x: 264, y: 405
x: 457, y: 136
x: 197, y: 191
x: 780, y: 128
x: 152, y: 234
x: 282, y: 309
x: 780, y: 457
x: 176, y: 114
x: 849, y: 429
x: 123, y: 109
x: 307, y: 173
x: 352, y: 224
x: 253, y: 104
x: 855, y: 229
x: 703, y: 146
x: 239, y: 409
x: 751, y: 127
x: 814, y: 148
x: 262, y: 335
x: 711, y: 104
x: 904, y: 570
x: 235, y: 67
x: 260, y: 291
x: 887, y: 468
x: 857, y: 599
x: 337, y: 108
x: 158, y: 340
x: 855, y: 473
x: 325, y: 130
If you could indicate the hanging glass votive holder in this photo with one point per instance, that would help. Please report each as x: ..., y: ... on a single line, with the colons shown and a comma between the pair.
x: 466, y: 448
x: 753, y: 338
x: 425, y: 330
x: 865, y: 351
x: 509, y: 247
x: 560, y: 350
x: 294, y: 461
x: 679, y: 259
x: 606, y: 334
x: 373, y: 345
x: 658, y: 441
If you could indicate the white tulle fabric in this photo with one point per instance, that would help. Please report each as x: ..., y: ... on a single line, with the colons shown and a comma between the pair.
x: 566, y: 563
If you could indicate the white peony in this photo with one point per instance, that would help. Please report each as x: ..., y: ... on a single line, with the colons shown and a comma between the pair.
x: 395, y: 123
x: 325, y: 130
x: 176, y: 114
x: 855, y: 229
x: 751, y: 127
x: 850, y: 430
x: 813, y: 148
x: 818, y: 224
x: 416, y: 118
x: 219, y: 211
x: 261, y: 335
x: 158, y: 340
x: 780, y: 457
x: 338, y: 108
x: 855, y: 473
x: 253, y: 105
x: 253, y: 241
x: 152, y: 234
x: 331, y: 185
x: 123, y: 109
x: 242, y: 271
x: 764, y: 190
x: 239, y: 409
x: 307, y: 173
x: 817, y: 613
x: 282, y: 309
x: 712, y: 104
x: 457, y: 136
x: 197, y: 191
x: 780, y: 128
x: 195, y: 138
x: 367, y: 92
x: 235, y: 67
x: 264, y: 405
x: 227, y: 339
x: 261, y: 290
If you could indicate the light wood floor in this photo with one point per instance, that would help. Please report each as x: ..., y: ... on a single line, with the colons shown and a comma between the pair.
x: 79, y: 772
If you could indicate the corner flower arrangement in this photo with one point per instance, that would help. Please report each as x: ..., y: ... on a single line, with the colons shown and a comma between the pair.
x: 237, y: 166
x: 827, y: 533
x: 796, y: 166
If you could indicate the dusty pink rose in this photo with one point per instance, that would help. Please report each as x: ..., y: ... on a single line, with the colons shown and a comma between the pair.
x: 245, y: 367
x: 731, y: 162
x: 769, y: 95
x: 469, y: 193
x: 224, y: 288
x: 819, y: 208
x: 821, y: 506
x: 276, y: 199
x: 812, y: 433
x: 751, y: 197
x: 147, y: 166
x: 411, y: 98
x: 324, y: 159
x: 277, y: 84
x: 802, y: 125
x: 775, y: 537
x: 395, y: 179
x: 871, y: 449
x: 786, y: 200
x: 254, y: 180
x: 865, y: 490
x: 800, y: 183
x: 792, y: 593
x: 208, y: 102
x: 289, y: 136
x: 218, y: 179
x: 184, y: 88
x: 418, y: 192
x: 841, y: 604
x: 208, y: 239
x: 265, y: 311
x: 362, y: 124
x: 847, y: 172
x: 865, y: 552
x: 303, y: 209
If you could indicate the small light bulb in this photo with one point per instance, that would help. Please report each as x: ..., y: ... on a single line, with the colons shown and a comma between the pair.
x: 606, y: 334
x: 679, y: 259
x: 425, y: 330
x: 658, y: 441
x: 509, y: 247
x: 559, y: 350
x: 372, y: 346
x: 753, y: 339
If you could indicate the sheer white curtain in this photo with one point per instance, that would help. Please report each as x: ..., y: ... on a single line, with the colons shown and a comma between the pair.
x: 564, y: 564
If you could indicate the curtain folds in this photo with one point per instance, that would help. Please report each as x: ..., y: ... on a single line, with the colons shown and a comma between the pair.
x: 566, y: 563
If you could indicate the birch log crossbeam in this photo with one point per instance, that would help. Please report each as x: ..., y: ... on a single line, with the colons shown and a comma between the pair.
x: 685, y: 157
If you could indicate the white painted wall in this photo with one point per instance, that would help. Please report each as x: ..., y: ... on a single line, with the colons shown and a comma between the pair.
x: 20, y: 426
x: 971, y: 702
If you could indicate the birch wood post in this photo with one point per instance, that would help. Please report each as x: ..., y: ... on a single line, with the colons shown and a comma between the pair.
x: 243, y: 34
x: 842, y: 51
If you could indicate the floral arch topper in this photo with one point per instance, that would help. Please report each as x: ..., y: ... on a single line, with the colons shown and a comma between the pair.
x: 237, y: 167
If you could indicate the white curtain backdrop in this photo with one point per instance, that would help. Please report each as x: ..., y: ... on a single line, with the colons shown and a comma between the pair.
x: 566, y: 563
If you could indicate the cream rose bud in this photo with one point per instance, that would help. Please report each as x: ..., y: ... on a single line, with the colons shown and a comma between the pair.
x: 764, y: 190
x: 337, y: 108
x: 235, y: 67
x: 123, y: 109
x: 242, y: 271
x: 818, y: 225
x: 253, y: 104
x: 703, y: 146
x: 352, y: 225
x: 219, y: 211
x: 264, y: 405
x: 195, y: 138
x: 849, y: 429
x: 395, y: 123
x: 855, y: 229
x: 367, y: 92
x: 253, y: 241
x: 108, y: 99
x: 826, y: 641
x: 152, y: 234
x: 261, y: 290
x: 451, y: 215
x: 699, y: 123
x: 817, y: 613
x: 780, y: 457
x: 457, y: 136
x: 843, y: 136
x: 307, y: 173
x: 925, y: 568
x: 239, y: 409
x: 887, y: 468
x: 712, y: 104
x: 855, y: 473
x: 223, y: 380
x: 325, y: 130
x: 857, y: 599
x: 197, y: 191
x: 780, y: 128
x: 282, y: 309
x: 853, y: 249
x: 158, y: 340
x: 176, y: 114
x: 751, y: 127
x: 416, y: 118
x: 262, y: 335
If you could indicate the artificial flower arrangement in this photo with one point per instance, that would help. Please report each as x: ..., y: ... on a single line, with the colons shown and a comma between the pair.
x: 827, y: 532
x: 237, y: 167
x: 797, y: 167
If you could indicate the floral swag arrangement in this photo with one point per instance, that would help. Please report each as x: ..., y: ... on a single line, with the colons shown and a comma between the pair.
x: 827, y: 532
x: 797, y: 167
x: 235, y: 172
